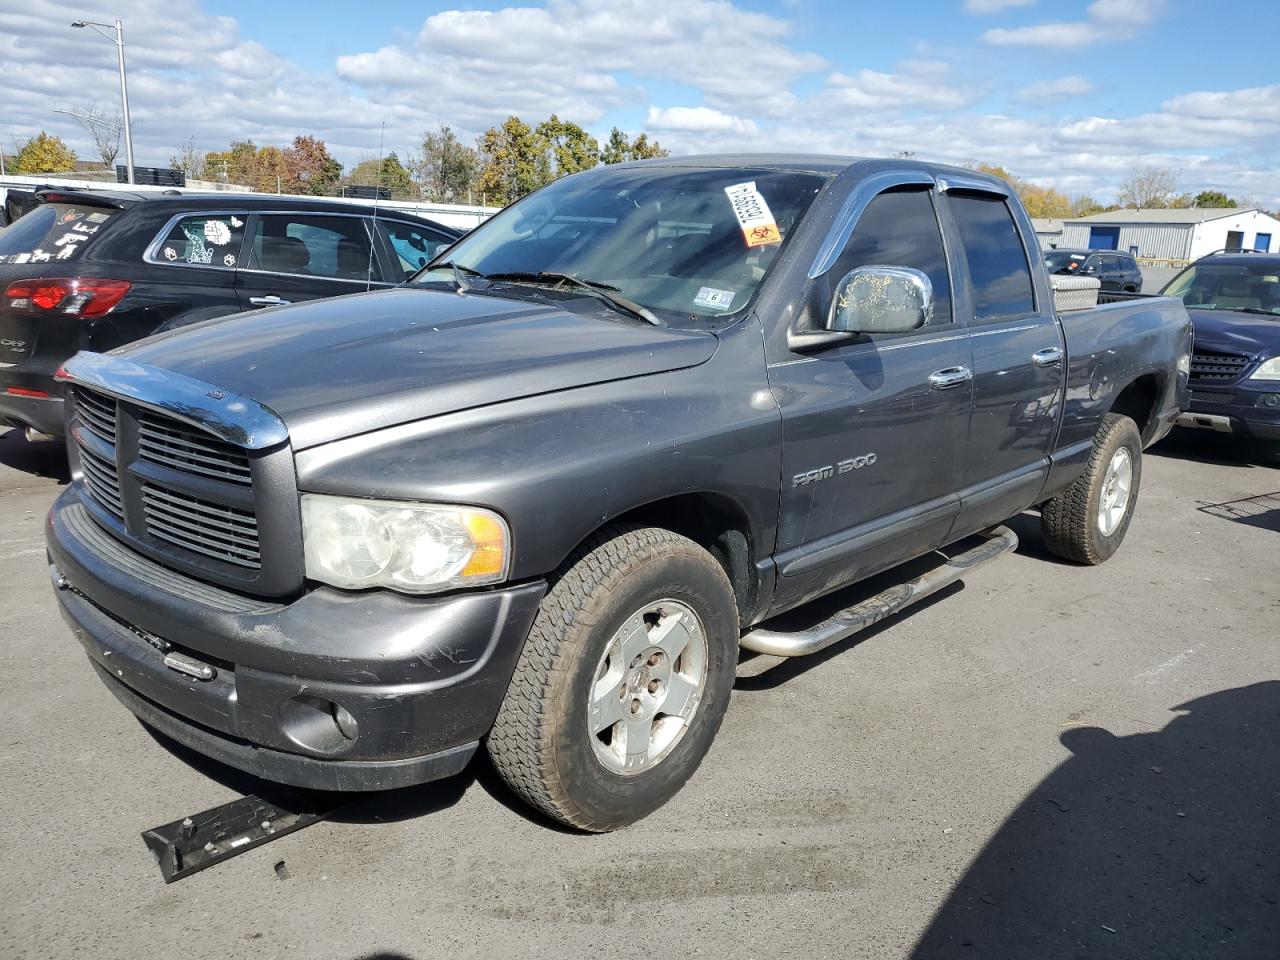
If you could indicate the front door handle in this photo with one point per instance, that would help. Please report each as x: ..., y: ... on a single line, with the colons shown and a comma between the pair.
x: 1047, y: 357
x: 271, y: 301
x: 949, y: 377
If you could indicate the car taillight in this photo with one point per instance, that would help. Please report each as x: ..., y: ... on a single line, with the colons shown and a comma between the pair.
x: 86, y: 297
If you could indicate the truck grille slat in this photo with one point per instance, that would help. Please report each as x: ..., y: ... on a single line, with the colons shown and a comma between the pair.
x: 101, y: 480
x: 98, y: 414
x: 203, y: 527
x: 170, y: 444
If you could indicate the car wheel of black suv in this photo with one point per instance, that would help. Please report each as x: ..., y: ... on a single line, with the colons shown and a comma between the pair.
x: 623, y: 680
x: 1087, y: 521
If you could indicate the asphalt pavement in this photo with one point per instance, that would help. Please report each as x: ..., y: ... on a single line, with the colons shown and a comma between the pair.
x: 1046, y: 762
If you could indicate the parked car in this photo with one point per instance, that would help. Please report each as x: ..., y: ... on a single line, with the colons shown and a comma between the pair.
x: 540, y: 497
x: 1116, y: 271
x: 1234, y: 302
x: 94, y: 271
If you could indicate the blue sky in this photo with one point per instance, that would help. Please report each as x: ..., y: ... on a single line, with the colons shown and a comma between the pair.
x: 1069, y: 95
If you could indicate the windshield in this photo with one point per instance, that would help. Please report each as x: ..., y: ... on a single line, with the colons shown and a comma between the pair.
x: 1060, y: 261
x: 1244, y: 287
x: 52, y: 231
x: 682, y: 242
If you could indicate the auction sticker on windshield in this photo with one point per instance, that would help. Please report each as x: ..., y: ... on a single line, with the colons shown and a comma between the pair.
x: 713, y: 298
x: 754, y: 216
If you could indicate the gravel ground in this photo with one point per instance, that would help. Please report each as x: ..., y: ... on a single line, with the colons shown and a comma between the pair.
x: 1049, y: 762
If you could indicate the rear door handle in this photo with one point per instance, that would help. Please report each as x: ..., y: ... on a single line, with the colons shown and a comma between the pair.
x: 949, y: 377
x: 271, y: 301
x: 1047, y: 357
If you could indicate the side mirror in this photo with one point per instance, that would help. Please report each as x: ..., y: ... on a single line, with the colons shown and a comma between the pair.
x: 881, y: 299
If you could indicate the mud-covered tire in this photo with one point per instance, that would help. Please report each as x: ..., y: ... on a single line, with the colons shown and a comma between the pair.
x: 1070, y: 522
x: 542, y: 743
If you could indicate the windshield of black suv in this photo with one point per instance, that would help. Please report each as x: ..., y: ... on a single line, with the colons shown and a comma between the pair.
x: 1243, y: 287
x: 1062, y: 261
x: 687, y: 243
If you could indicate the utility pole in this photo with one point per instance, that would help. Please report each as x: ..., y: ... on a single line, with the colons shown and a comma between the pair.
x: 118, y: 27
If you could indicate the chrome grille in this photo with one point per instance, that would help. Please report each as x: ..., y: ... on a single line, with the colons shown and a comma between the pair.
x: 102, y: 481
x: 97, y: 413
x: 168, y: 485
x: 212, y: 529
x: 172, y: 444
x: 1217, y: 366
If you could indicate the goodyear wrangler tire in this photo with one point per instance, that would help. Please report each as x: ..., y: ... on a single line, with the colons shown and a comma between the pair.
x: 1087, y: 521
x: 623, y: 680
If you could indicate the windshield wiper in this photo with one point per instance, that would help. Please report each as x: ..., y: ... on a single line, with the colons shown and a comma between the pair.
x: 603, y: 291
x: 1265, y: 313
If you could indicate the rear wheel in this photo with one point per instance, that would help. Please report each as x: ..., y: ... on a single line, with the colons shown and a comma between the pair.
x: 623, y: 681
x: 1087, y: 521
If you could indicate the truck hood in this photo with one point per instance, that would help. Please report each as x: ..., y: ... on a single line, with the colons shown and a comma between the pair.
x: 336, y: 368
x: 1229, y: 332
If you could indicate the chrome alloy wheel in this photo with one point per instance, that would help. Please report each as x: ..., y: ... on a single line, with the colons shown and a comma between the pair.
x: 647, y: 687
x: 1116, y: 485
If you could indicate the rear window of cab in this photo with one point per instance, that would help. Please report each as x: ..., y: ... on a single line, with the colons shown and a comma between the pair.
x: 52, y: 232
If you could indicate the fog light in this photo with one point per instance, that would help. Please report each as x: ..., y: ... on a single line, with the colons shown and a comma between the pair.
x: 1271, y: 400
x: 317, y: 724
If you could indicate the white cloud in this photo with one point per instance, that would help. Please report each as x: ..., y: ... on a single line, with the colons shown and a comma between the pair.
x: 517, y: 56
x: 1060, y: 35
x: 994, y: 6
x: 698, y: 119
x: 1047, y: 92
x: 919, y: 84
x: 1107, y: 20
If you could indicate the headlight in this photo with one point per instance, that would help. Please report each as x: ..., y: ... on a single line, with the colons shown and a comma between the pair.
x: 1270, y: 370
x: 412, y: 547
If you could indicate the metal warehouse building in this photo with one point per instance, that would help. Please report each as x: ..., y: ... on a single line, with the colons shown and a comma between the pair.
x: 1182, y: 234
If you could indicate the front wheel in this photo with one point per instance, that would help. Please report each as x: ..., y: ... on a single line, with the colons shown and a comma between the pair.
x: 1087, y: 521
x: 623, y: 680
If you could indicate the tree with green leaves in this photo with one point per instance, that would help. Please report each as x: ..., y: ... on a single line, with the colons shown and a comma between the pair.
x: 237, y: 164
x: 1212, y: 198
x: 387, y: 172
x: 618, y: 149
x: 44, y: 154
x: 446, y: 168
x: 513, y: 164
x: 567, y: 148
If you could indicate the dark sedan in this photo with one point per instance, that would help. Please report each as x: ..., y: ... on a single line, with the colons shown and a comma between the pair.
x: 96, y: 270
x: 1234, y: 302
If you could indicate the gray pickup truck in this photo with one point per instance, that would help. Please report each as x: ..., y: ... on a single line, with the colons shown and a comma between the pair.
x: 540, y: 497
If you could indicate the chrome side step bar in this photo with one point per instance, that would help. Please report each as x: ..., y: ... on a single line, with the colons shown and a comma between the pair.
x: 851, y: 620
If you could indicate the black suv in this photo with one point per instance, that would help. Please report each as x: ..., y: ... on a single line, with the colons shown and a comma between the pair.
x: 1116, y: 271
x: 93, y: 271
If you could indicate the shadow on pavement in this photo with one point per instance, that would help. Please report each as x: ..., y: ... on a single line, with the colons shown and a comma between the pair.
x: 47, y: 458
x: 1162, y: 844
x: 1262, y: 511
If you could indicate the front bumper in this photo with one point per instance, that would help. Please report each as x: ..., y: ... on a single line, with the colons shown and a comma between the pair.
x: 1239, y: 410
x: 333, y: 691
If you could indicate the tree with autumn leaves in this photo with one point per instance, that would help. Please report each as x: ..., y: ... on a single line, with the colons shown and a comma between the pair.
x: 304, y: 166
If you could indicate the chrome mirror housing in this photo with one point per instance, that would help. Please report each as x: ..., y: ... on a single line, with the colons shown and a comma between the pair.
x: 881, y: 299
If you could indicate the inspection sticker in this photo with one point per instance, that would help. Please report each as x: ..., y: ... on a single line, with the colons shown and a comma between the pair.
x: 754, y: 216
x: 713, y: 298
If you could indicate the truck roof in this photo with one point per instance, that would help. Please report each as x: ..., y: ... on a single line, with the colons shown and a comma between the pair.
x: 829, y: 164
